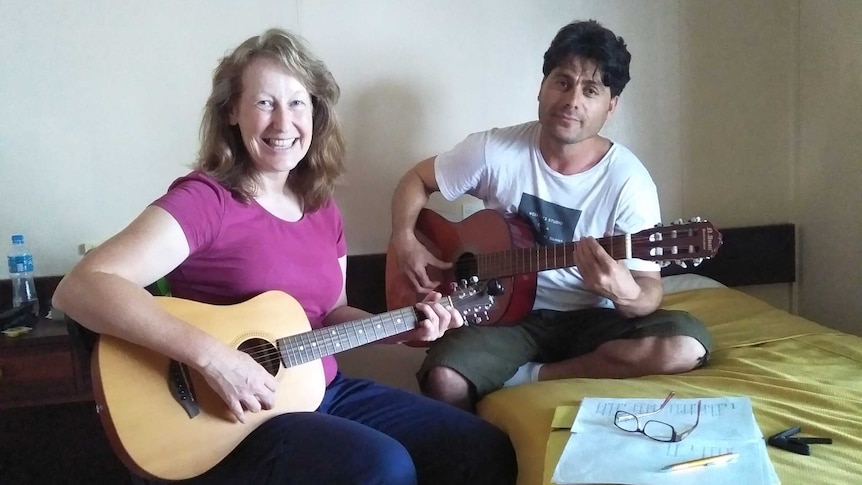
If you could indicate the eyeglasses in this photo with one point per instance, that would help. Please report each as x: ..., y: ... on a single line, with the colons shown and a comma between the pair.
x: 657, y: 430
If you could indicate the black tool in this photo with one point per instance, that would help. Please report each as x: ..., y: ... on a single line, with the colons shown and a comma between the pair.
x: 19, y: 316
x: 799, y: 445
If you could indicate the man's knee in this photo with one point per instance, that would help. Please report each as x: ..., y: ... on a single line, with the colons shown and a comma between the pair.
x: 440, y: 380
x: 679, y: 354
x: 447, y: 385
x: 657, y: 355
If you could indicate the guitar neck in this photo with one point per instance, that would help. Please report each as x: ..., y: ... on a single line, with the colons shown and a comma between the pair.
x: 517, y: 261
x: 306, y: 347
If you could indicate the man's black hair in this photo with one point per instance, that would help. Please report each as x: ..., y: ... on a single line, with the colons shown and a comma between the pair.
x: 589, y: 40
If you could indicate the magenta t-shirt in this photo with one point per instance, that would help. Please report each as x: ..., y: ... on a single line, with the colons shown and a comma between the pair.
x: 238, y: 250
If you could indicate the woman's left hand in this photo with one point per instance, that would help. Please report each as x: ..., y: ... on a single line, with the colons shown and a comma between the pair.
x: 437, y: 320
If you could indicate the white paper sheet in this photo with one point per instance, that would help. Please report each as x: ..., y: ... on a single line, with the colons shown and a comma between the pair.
x: 599, y: 452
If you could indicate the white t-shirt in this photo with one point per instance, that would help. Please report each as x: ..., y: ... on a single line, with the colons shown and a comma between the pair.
x: 505, y: 168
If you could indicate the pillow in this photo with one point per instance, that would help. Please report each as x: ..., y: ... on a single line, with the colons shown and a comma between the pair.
x: 688, y: 281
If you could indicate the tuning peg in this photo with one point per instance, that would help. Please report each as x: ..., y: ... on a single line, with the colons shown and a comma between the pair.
x: 659, y: 225
x: 664, y: 263
x: 696, y: 219
x: 681, y: 263
x: 474, y: 279
x: 495, y: 287
x: 463, y: 283
x: 696, y: 261
x: 678, y: 221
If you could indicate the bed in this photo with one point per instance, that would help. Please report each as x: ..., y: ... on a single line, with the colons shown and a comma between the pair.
x: 795, y: 371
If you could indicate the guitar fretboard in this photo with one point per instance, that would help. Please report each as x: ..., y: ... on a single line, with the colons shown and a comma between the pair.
x: 305, y: 347
x: 501, y: 264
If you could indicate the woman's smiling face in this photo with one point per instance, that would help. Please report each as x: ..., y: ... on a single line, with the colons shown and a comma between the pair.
x: 274, y: 116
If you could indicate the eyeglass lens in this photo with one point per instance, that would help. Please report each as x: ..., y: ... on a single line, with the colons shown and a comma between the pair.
x: 656, y: 430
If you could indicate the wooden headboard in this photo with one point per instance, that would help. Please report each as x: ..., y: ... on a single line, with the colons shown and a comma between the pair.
x: 752, y: 255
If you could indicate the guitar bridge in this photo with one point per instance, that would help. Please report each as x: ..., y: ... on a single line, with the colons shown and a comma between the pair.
x: 181, y: 388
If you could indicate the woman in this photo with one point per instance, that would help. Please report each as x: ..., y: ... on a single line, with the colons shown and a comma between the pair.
x: 256, y: 214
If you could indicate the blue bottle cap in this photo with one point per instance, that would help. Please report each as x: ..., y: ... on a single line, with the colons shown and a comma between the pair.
x: 17, y: 239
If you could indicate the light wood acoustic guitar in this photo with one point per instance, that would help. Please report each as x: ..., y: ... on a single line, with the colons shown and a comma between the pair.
x: 487, y: 246
x: 165, y: 422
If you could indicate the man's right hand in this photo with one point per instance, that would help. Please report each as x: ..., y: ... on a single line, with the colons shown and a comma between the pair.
x: 413, y: 259
x: 240, y: 381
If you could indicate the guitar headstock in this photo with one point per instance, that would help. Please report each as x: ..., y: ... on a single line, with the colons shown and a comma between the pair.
x: 678, y: 242
x: 474, y: 299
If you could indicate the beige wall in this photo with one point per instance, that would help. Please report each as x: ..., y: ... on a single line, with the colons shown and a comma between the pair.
x: 737, y: 114
x: 828, y: 195
x: 737, y: 107
x: 744, y: 112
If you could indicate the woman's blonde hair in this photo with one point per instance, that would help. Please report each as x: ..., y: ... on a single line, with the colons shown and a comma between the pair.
x: 223, y: 154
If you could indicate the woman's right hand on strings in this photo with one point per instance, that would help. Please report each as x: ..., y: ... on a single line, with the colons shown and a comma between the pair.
x: 413, y: 259
x: 242, y: 383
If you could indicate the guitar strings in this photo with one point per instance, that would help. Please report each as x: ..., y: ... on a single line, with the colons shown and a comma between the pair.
x: 325, y: 339
x: 324, y: 336
x: 269, y: 353
x: 551, y: 252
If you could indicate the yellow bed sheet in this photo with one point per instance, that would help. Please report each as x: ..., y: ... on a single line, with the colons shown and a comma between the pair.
x: 796, y: 372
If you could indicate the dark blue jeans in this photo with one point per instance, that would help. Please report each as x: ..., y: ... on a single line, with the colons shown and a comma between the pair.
x: 366, y: 433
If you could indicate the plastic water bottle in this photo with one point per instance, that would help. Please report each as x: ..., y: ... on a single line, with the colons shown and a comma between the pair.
x: 21, y: 274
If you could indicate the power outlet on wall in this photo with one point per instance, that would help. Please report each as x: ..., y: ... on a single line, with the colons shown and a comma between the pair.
x: 85, y: 248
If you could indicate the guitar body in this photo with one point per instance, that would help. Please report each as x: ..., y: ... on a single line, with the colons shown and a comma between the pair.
x: 483, y: 232
x: 490, y: 247
x: 165, y: 422
x: 141, y: 416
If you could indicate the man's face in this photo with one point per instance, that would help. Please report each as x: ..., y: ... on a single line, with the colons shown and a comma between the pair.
x: 573, y: 102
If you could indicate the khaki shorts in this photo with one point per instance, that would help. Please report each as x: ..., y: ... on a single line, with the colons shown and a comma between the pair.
x: 488, y: 356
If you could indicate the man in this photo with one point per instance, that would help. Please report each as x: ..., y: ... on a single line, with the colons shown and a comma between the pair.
x: 598, y: 319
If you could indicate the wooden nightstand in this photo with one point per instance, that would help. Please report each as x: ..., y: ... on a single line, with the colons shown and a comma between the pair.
x: 42, y: 367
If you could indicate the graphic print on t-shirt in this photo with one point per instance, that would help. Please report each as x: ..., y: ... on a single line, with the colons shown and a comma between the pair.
x: 551, y: 223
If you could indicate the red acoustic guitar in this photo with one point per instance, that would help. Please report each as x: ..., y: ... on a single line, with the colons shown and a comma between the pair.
x: 488, y: 246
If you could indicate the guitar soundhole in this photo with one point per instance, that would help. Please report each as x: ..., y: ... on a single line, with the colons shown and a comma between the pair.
x: 263, y: 352
x: 466, y: 266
